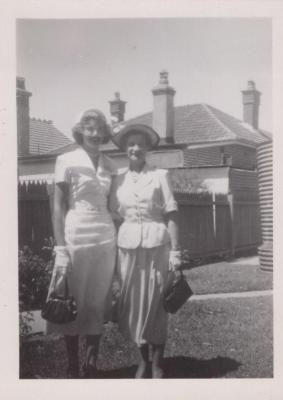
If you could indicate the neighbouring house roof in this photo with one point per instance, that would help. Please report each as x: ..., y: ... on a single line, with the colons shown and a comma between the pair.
x: 198, y: 123
x: 45, y: 137
x: 201, y: 123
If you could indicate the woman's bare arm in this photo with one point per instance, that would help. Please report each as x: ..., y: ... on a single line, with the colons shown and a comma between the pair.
x: 113, y: 204
x: 173, y: 229
x: 60, y: 210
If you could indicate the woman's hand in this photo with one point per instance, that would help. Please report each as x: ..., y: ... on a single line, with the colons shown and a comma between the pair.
x: 62, y: 257
x: 175, y: 260
x: 60, y: 282
x: 62, y: 266
x: 175, y: 253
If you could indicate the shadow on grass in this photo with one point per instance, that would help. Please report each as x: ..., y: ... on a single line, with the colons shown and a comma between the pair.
x: 181, y: 367
x: 186, y: 367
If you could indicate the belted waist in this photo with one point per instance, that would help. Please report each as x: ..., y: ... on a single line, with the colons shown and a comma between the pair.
x: 85, y: 207
x: 145, y: 234
x: 140, y: 219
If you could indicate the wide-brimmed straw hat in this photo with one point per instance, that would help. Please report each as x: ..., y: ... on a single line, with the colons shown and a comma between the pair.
x: 121, y: 133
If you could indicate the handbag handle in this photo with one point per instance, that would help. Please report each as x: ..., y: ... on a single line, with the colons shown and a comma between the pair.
x: 180, y: 271
x: 66, y: 287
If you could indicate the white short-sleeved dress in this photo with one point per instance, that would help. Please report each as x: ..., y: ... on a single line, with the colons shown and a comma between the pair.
x: 144, y: 245
x: 90, y: 238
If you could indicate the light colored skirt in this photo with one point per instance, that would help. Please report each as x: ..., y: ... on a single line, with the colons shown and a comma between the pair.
x: 93, y: 254
x: 143, y: 273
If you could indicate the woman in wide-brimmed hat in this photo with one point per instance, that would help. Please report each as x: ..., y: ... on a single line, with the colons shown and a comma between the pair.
x: 148, y: 245
x: 85, y: 236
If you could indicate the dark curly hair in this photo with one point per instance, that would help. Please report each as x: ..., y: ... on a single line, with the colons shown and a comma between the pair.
x: 88, y: 115
x: 124, y: 140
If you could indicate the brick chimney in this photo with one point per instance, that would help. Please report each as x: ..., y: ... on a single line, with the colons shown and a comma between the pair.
x: 22, y: 117
x: 163, y: 108
x: 117, y: 108
x: 251, y: 101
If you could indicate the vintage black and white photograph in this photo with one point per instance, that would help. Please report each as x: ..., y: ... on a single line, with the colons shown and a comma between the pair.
x: 145, y: 206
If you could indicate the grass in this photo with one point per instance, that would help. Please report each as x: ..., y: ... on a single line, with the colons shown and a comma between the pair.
x: 229, y: 338
x: 235, y: 276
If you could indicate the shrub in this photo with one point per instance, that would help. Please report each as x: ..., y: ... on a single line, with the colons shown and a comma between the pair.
x: 25, y: 328
x: 34, y: 275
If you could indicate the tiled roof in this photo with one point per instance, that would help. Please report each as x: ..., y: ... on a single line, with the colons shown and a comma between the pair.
x: 201, y: 123
x: 240, y: 129
x: 198, y: 123
x: 45, y: 137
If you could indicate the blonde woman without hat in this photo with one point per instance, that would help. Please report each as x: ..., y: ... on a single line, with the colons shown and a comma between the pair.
x: 143, y: 202
x: 85, y: 236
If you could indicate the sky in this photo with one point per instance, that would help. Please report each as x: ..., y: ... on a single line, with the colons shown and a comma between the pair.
x: 73, y: 65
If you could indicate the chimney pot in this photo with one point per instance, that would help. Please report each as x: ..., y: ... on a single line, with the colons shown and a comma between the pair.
x: 21, y: 83
x: 163, y: 77
x: 251, y: 85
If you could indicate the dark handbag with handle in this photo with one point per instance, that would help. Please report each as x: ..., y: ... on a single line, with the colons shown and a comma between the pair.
x: 176, y: 293
x: 60, y: 309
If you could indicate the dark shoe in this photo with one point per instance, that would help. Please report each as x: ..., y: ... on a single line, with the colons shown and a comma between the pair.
x: 89, y: 372
x: 73, y: 373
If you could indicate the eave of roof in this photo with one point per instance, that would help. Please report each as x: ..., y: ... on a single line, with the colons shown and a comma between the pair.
x: 113, y: 151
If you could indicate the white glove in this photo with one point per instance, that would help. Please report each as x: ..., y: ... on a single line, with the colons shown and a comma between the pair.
x: 62, y: 258
x: 61, y: 269
x: 175, y: 260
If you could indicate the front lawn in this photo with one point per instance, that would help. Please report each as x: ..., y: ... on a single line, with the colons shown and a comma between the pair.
x: 239, y: 275
x: 220, y: 338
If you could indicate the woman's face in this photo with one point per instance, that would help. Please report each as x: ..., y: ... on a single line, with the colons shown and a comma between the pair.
x: 136, y: 147
x: 93, y: 135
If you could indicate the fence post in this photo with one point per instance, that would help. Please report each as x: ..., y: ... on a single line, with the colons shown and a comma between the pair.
x: 231, y: 208
x: 214, y: 213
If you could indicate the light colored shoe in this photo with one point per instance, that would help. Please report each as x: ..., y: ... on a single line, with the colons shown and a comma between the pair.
x: 143, y: 371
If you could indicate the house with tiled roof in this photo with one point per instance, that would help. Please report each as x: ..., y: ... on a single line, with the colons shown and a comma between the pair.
x: 198, y: 140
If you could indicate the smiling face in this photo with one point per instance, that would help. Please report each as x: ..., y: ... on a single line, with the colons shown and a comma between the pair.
x: 136, y: 147
x: 92, y: 135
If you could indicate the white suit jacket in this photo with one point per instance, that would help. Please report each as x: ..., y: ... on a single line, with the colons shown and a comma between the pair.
x: 142, y: 206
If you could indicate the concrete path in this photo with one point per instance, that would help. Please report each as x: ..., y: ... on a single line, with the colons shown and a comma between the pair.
x: 197, y: 297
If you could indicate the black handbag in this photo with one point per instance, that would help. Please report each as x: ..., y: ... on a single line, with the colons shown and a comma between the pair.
x: 176, y: 293
x: 60, y: 309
